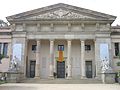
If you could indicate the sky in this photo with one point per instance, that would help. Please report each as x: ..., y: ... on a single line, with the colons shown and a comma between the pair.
x: 11, y: 7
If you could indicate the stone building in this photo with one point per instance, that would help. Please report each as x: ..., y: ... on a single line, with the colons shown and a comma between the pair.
x: 61, y: 40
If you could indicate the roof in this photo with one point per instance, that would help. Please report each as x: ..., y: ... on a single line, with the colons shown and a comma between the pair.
x: 61, y: 11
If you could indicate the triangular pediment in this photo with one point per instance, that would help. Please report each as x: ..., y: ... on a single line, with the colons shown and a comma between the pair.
x: 61, y: 14
x: 61, y: 11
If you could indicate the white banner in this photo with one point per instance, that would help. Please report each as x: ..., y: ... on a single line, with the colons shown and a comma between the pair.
x: 104, y: 51
x: 17, y: 52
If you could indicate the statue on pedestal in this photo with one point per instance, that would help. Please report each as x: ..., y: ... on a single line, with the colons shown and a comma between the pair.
x: 14, y: 64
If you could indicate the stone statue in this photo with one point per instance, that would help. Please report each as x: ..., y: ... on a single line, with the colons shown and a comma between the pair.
x: 14, y: 65
x: 105, y: 65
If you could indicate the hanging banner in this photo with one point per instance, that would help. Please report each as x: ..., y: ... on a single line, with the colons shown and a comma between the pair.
x: 61, y: 53
x: 104, y: 51
x: 60, y: 58
x: 17, y: 52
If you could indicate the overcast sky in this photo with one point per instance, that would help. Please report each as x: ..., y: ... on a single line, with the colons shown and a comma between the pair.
x: 11, y: 7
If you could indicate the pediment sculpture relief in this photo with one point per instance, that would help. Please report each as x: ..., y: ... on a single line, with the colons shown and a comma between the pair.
x: 61, y: 14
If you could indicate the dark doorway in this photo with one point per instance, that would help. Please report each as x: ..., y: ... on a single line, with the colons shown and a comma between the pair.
x: 32, y: 69
x: 89, y: 69
x: 60, y: 69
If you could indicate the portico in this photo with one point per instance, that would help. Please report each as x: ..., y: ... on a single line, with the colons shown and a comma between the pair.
x: 46, y: 57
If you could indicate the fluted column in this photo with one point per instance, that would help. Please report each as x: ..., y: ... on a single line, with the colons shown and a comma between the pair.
x: 69, y: 67
x: 37, y: 67
x: 83, y: 59
x: 51, y: 59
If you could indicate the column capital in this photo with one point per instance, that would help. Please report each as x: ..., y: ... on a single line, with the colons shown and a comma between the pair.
x: 69, y: 40
x: 94, y: 40
x: 37, y: 39
x: 82, y: 39
x: 51, y: 40
x: 38, y: 46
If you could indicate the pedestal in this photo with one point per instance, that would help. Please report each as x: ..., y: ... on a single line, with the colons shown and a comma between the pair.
x: 108, y: 77
x: 14, y: 77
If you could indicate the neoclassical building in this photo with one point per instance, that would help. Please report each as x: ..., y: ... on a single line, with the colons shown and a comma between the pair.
x: 61, y: 41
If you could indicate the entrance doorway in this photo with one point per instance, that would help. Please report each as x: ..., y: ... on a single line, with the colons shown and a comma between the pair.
x: 89, y: 69
x: 60, y: 69
x: 32, y: 69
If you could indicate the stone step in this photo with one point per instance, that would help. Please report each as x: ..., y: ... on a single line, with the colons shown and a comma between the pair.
x: 62, y: 81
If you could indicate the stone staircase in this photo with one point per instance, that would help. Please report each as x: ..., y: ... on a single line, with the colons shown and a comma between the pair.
x: 62, y: 81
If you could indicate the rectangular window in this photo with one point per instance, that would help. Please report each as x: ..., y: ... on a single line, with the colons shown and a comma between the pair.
x: 60, y: 47
x: 34, y: 47
x: 116, y: 49
x: 5, y: 48
x: 87, y: 47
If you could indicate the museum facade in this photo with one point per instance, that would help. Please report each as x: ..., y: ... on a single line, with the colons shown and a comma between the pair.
x: 61, y: 41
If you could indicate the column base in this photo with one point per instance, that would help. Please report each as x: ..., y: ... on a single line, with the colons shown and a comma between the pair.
x: 83, y: 77
x: 96, y: 77
x: 69, y: 77
x: 51, y: 77
x: 36, y: 77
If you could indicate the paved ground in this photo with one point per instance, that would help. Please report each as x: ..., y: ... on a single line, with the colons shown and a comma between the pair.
x: 24, y: 86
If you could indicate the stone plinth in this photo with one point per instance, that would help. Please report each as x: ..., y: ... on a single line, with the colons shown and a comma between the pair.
x: 14, y: 77
x: 108, y: 77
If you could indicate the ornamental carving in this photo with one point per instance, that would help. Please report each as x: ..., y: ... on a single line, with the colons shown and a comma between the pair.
x: 61, y: 14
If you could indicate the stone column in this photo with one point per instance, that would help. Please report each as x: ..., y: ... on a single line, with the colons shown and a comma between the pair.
x: 37, y: 67
x: 97, y: 57
x: 25, y: 58
x: 69, y: 68
x: 110, y: 54
x: 51, y: 59
x: 83, y: 59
